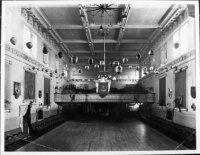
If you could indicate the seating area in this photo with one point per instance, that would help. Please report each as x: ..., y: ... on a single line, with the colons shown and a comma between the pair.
x: 189, y: 134
x: 13, y: 137
x: 45, y: 123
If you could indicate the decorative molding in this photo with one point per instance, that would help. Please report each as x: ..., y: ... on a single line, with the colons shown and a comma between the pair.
x: 171, y: 64
x: 169, y: 29
x: 46, y: 76
x: 29, y: 17
x: 19, y: 54
x: 93, y: 80
x: 27, y: 69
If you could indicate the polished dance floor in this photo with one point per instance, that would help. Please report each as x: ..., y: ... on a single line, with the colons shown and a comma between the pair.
x: 101, y: 135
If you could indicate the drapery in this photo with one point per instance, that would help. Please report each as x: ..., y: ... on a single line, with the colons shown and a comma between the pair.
x: 46, y: 91
x: 29, y: 85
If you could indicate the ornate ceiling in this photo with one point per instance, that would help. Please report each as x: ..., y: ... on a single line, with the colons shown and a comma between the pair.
x: 132, y: 27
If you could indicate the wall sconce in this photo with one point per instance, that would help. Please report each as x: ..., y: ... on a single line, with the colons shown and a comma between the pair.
x: 39, y: 93
x: 170, y: 92
x: 193, y: 106
x: 156, y: 71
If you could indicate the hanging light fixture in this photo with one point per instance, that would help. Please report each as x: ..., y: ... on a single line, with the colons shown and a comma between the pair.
x: 96, y: 66
x: 137, y: 68
x: 116, y: 63
x: 102, y: 8
x: 110, y: 64
x: 156, y: 71
x: 138, y: 56
x: 80, y: 71
x: 151, y: 53
x: 90, y: 61
x: 74, y: 59
x: 151, y: 68
x: 125, y: 60
x: 118, y: 69
x: 87, y: 67
x: 102, y: 63
x: 60, y: 55
x: 45, y: 50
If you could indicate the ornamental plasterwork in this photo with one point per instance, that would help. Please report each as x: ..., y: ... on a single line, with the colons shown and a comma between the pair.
x: 170, y: 28
x: 27, y: 15
x: 171, y: 65
x: 8, y: 48
x: 30, y: 20
x: 35, y: 26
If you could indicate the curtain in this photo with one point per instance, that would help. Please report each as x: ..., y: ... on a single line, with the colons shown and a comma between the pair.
x: 162, y: 91
x: 180, y: 86
x: 46, y: 91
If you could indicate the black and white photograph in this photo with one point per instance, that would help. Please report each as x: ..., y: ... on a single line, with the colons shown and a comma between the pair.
x: 100, y: 77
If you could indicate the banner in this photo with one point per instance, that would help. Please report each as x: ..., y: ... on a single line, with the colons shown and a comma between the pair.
x: 103, y: 89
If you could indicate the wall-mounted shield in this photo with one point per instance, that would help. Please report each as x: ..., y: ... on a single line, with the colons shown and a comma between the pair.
x: 103, y: 89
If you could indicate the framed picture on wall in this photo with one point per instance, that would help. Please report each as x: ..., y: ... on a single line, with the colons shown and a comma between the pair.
x: 16, y: 89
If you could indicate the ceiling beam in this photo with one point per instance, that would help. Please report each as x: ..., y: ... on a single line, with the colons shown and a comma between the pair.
x: 61, y: 26
x: 101, y: 51
x: 123, y: 24
x: 84, y: 18
x: 75, y: 41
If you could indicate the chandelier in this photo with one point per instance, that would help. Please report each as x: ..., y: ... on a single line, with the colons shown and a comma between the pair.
x: 103, y: 9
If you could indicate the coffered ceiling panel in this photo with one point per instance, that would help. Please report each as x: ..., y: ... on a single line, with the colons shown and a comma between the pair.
x: 145, y: 14
x: 137, y: 33
x: 113, y: 34
x: 72, y: 34
x: 63, y: 15
x: 124, y: 47
x: 78, y: 46
x: 100, y: 46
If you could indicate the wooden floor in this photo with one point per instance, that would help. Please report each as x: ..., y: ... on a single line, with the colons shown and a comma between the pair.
x: 100, y: 135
